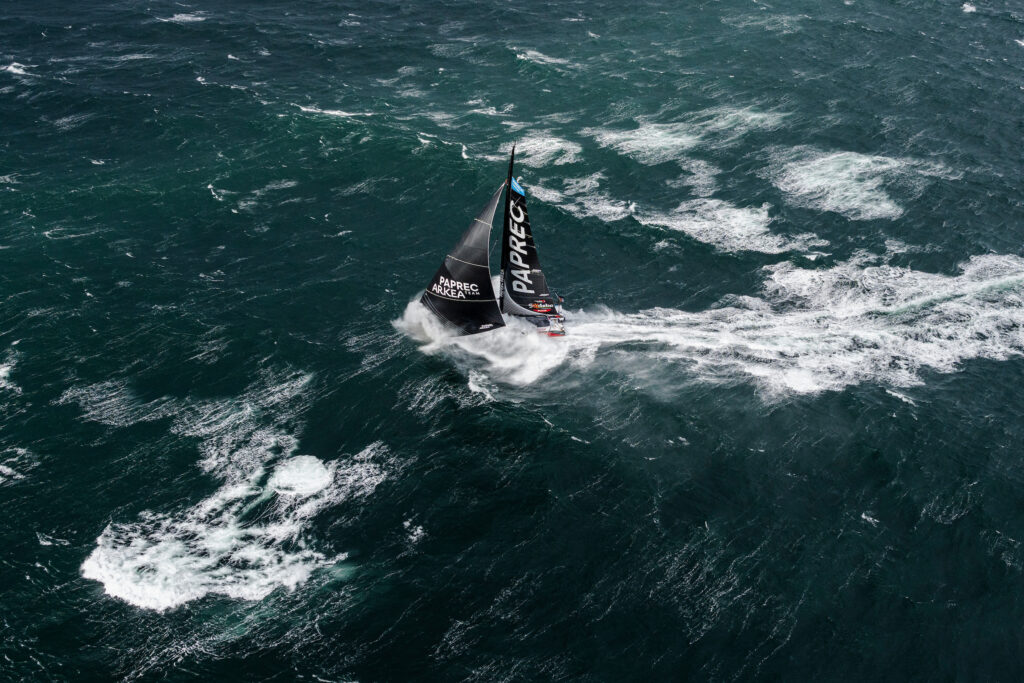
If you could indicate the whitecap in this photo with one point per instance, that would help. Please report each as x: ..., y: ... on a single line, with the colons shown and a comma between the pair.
x: 15, y: 463
x: 653, y: 142
x: 5, y: 376
x: 727, y: 227
x: 72, y: 121
x: 333, y: 112
x: 303, y: 475
x: 247, y: 538
x: 540, y: 148
x: 649, y: 143
x: 185, y: 18
x: 114, y: 404
x: 583, y: 205
x: 17, y: 69
x: 852, y: 184
x: 414, y: 532
x: 700, y: 177
x: 540, y: 58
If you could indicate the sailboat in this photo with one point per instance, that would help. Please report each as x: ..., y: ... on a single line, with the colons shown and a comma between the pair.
x: 462, y: 293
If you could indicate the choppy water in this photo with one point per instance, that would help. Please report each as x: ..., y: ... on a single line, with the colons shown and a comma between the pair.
x: 782, y: 439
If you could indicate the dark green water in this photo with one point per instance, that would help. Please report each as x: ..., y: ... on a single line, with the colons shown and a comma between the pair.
x: 781, y: 441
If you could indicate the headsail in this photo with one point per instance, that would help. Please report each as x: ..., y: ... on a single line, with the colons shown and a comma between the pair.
x: 461, y: 292
x: 524, y: 289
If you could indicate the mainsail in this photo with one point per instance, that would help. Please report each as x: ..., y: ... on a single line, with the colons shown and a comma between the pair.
x: 524, y: 289
x: 461, y: 291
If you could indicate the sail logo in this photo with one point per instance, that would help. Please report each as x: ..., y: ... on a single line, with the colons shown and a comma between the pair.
x: 517, y: 188
x: 517, y: 249
x: 454, y: 289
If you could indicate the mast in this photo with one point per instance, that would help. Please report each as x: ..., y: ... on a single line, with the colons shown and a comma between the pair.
x: 504, y: 227
x: 460, y: 292
x: 523, y: 284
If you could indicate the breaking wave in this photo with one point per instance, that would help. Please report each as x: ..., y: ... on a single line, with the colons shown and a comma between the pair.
x: 540, y: 58
x: 729, y: 228
x: 809, y: 331
x: 653, y: 143
x: 542, y: 149
x: 725, y: 226
x: 854, y: 185
x: 246, y: 539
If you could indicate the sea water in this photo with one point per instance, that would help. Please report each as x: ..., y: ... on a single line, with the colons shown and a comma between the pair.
x: 781, y: 439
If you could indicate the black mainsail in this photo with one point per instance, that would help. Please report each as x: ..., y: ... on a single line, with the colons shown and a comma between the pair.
x: 461, y: 292
x: 524, y: 289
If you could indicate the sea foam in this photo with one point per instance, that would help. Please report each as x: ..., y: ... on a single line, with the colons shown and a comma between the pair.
x: 654, y: 142
x: 540, y: 148
x: 728, y: 228
x: 247, y: 538
x: 809, y: 330
x: 852, y: 184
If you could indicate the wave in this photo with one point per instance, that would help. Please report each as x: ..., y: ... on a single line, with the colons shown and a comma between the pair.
x: 15, y: 463
x: 543, y: 149
x: 540, y: 58
x: 185, y: 18
x: 245, y: 540
x: 18, y: 69
x: 6, y: 367
x: 654, y: 143
x: 649, y: 143
x: 724, y: 226
x: 333, y: 112
x: 810, y: 330
x: 854, y: 185
x: 579, y: 202
x: 729, y: 228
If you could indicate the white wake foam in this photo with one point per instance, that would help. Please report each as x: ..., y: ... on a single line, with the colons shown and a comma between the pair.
x: 854, y: 185
x: 810, y: 330
x: 515, y: 354
x: 246, y: 539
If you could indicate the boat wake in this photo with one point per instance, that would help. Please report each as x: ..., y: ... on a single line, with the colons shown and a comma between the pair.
x: 809, y: 330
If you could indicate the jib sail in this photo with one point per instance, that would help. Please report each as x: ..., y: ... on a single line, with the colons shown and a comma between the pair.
x: 461, y: 291
x: 524, y: 289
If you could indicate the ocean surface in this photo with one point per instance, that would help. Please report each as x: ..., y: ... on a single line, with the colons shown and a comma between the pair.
x: 782, y: 440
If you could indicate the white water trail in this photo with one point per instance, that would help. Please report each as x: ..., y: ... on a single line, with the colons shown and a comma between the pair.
x: 810, y: 330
